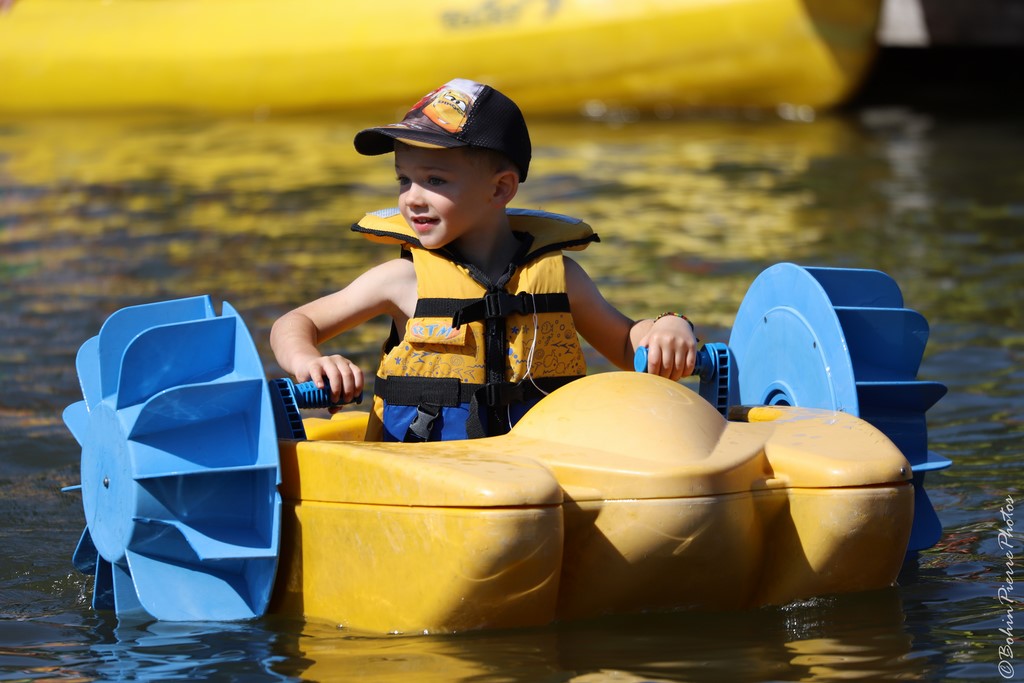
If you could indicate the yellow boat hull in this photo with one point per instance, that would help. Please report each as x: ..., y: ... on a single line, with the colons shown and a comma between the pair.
x: 619, y: 493
x: 552, y: 57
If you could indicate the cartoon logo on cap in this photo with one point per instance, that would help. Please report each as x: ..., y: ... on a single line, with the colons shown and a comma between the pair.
x: 448, y: 109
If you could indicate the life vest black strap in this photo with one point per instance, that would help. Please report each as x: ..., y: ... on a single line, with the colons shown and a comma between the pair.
x: 439, y: 307
x: 449, y: 392
x: 446, y: 392
x: 501, y: 304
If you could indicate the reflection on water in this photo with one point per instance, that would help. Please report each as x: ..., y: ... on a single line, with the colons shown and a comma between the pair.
x: 101, y: 213
x: 835, y: 637
x: 838, y: 638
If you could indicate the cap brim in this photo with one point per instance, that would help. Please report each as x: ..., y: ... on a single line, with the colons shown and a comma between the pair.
x: 373, y: 141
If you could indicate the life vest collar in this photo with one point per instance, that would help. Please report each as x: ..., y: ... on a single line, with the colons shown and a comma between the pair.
x: 550, y: 231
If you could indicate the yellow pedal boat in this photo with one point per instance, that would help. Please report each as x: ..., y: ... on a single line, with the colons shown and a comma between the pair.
x: 621, y: 492
x: 558, y: 56
x: 206, y: 495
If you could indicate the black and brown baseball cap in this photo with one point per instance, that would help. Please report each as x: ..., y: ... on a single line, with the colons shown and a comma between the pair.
x: 461, y: 113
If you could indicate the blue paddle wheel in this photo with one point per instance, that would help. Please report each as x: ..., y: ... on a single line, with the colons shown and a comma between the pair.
x: 179, y: 465
x: 841, y: 339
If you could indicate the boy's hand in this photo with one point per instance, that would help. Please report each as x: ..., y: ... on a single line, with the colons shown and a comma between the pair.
x: 344, y: 377
x: 671, y: 348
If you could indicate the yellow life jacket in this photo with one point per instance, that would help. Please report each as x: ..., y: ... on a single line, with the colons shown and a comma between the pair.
x: 474, y: 346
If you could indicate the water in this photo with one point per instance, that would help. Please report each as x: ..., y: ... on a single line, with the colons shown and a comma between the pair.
x: 107, y: 212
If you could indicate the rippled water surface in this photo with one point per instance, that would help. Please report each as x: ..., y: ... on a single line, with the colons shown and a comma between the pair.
x: 103, y: 213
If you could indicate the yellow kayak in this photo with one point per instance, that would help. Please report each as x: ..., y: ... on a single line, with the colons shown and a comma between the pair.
x: 566, y: 56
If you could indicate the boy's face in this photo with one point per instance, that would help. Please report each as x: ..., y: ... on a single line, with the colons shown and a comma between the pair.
x: 443, y: 193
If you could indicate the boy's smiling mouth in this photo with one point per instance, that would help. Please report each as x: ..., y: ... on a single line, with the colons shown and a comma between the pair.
x: 423, y: 223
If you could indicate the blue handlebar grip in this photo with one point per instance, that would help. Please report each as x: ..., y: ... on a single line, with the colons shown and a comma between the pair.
x: 308, y: 396
x: 640, y: 359
x: 702, y: 361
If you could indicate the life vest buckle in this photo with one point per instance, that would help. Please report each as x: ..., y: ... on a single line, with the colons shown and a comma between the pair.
x: 494, y: 305
x: 503, y: 304
x: 421, y: 425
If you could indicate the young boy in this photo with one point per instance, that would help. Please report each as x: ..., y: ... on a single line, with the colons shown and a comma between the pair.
x: 489, y: 304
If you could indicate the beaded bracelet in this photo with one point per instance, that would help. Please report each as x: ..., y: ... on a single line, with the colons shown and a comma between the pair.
x: 678, y: 315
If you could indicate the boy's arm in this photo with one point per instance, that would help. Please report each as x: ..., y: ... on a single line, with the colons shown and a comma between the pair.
x: 388, y: 288
x: 671, y: 344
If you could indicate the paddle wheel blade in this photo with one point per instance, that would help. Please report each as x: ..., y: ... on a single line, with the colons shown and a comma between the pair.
x: 84, y: 559
x: 103, y: 586
x: 89, y: 372
x: 76, y: 419
x: 188, y: 352
x: 126, y: 599
x: 124, y: 325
